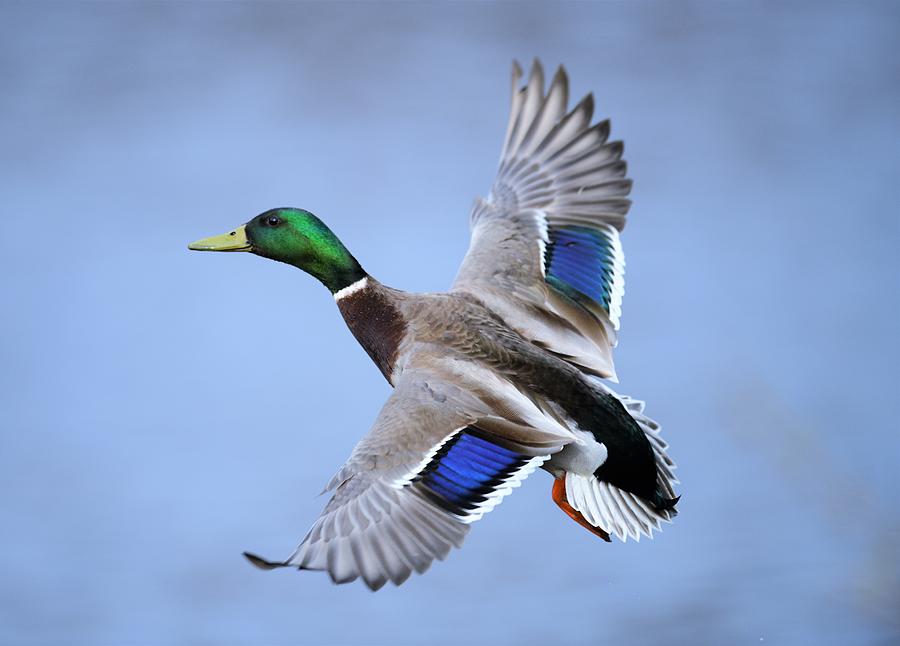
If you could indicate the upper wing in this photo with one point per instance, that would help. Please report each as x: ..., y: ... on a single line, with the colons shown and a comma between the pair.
x: 545, y: 251
x: 412, y: 486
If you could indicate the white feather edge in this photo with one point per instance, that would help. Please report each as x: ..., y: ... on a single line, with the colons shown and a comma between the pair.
x: 618, y: 283
x: 404, y: 480
x: 540, y: 218
x: 503, y: 489
x: 362, y: 283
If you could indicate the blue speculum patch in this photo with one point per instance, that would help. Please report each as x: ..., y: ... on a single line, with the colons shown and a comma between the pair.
x: 466, y: 469
x: 579, y: 262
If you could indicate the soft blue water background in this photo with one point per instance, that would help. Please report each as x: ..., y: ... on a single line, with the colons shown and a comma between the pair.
x: 164, y: 410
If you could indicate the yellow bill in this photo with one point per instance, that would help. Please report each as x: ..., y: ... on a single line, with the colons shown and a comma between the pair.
x: 233, y: 241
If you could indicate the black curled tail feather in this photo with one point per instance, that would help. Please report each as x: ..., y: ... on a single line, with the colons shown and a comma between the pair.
x: 665, y: 504
x: 664, y: 497
x: 636, y: 457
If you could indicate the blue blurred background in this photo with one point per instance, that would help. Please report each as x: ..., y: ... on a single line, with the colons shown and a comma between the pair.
x: 165, y: 410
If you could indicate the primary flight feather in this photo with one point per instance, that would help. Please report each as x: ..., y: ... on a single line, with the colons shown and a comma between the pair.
x: 499, y: 376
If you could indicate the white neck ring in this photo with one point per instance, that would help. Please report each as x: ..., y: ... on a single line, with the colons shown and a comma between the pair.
x: 362, y: 283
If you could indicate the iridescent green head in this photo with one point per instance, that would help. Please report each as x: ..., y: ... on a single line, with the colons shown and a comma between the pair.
x: 296, y: 237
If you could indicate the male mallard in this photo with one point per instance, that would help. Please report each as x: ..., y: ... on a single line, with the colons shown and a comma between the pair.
x: 498, y: 376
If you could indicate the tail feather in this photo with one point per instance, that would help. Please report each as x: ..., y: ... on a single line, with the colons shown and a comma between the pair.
x: 614, y: 510
x: 620, y: 512
x: 559, y: 497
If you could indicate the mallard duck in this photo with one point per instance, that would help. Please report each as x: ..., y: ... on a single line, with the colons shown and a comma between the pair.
x: 500, y: 376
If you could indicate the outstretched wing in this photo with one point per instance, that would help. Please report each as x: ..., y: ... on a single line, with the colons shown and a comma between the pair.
x: 545, y: 251
x: 414, y: 484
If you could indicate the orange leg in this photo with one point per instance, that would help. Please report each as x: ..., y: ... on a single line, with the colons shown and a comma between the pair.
x: 559, y: 497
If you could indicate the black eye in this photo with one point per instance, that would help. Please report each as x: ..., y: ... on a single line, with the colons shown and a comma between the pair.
x: 273, y: 220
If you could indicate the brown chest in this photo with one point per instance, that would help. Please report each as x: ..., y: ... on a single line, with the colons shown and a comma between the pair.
x: 376, y: 323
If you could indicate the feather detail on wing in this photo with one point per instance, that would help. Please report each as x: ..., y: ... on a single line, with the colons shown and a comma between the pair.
x: 545, y: 251
x: 413, y: 486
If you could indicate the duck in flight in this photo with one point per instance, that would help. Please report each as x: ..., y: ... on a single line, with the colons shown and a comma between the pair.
x: 501, y: 375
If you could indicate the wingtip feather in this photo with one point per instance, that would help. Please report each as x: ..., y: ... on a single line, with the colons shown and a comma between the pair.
x: 262, y: 563
x: 537, y: 70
